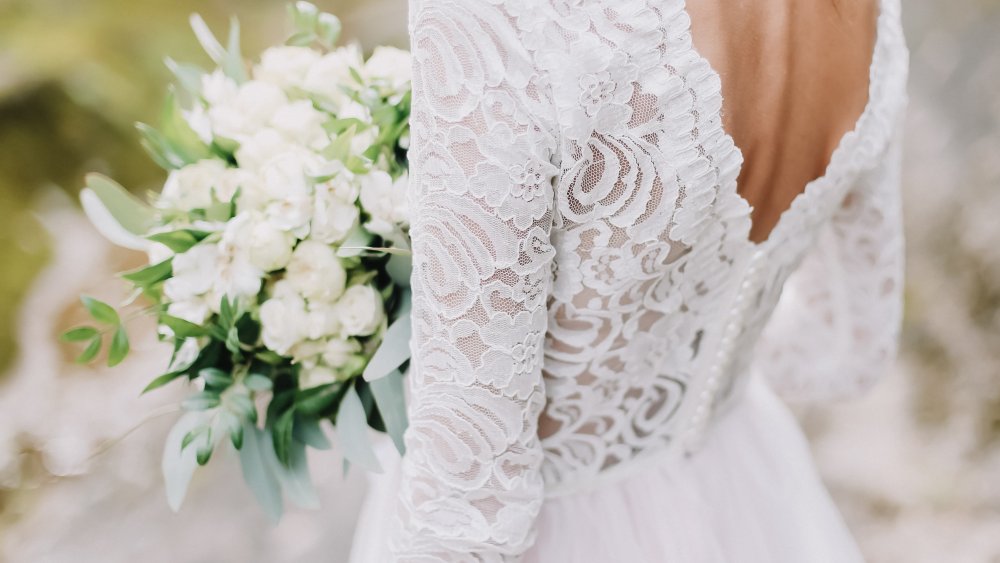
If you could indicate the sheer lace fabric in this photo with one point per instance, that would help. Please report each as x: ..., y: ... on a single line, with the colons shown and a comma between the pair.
x: 585, y: 291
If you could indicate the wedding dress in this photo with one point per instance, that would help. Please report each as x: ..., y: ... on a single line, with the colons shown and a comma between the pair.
x: 597, y: 341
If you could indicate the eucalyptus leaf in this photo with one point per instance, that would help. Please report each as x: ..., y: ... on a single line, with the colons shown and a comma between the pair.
x: 395, y: 349
x: 352, y: 432
x: 207, y: 39
x: 391, y: 401
x: 215, y: 377
x: 233, y: 63
x: 282, y: 436
x: 294, y: 478
x: 188, y: 75
x: 178, y: 465
x: 309, y: 431
x: 258, y: 470
x: 399, y: 267
x: 128, y: 212
x: 258, y: 382
x: 160, y: 381
x: 201, y: 401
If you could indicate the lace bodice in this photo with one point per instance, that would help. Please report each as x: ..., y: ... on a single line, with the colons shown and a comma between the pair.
x: 584, y: 288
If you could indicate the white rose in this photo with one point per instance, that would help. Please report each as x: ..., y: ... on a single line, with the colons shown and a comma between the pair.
x: 391, y: 64
x: 193, y: 273
x: 360, y: 310
x: 252, y: 108
x: 283, y: 322
x: 337, y: 352
x: 268, y: 247
x: 194, y: 310
x: 259, y: 148
x: 333, y: 70
x: 197, y: 119
x: 286, y: 66
x: 233, y: 179
x: 235, y: 275
x: 301, y: 124
x: 386, y: 201
x: 217, y: 88
x: 333, y: 217
x: 342, y: 183
x: 316, y: 272
x: 286, y: 183
x: 322, y: 321
x: 191, y: 187
x: 315, y: 376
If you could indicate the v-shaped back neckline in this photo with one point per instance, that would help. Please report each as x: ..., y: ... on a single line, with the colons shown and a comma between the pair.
x: 845, y: 146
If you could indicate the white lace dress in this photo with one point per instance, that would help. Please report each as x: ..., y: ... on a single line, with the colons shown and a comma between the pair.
x: 596, y: 338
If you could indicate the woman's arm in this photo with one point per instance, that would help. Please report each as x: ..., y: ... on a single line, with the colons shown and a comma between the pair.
x: 481, y: 199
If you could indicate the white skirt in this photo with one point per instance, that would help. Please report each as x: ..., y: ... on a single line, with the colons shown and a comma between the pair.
x: 751, y: 494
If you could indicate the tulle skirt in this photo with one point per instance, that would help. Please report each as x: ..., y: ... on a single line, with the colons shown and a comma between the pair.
x: 751, y: 494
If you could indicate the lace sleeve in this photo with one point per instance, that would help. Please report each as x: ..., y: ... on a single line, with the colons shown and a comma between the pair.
x: 481, y: 202
x: 836, y: 327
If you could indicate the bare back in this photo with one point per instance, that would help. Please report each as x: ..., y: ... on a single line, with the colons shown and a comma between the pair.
x: 795, y: 77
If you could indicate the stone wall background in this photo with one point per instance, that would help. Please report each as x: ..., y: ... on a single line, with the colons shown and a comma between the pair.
x: 914, y: 466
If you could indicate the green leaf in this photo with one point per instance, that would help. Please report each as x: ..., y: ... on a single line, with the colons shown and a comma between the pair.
x: 258, y: 472
x: 150, y: 275
x: 310, y: 432
x: 207, y: 39
x: 205, y: 447
x: 357, y: 242
x: 161, y: 381
x: 215, y: 377
x: 101, y: 311
x: 258, y: 382
x: 128, y: 211
x: 233, y: 426
x: 391, y: 402
x: 301, y: 39
x: 160, y: 148
x: 233, y: 63
x: 79, y: 334
x: 182, y: 328
x: 328, y: 28
x: 201, y: 401
x: 190, y: 436
x: 178, y: 464
x: 394, y: 350
x: 181, y: 138
x: 294, y: 477
x: 282, y: 436
x: 352, y: 429
x: 180, y: 240
x: 399, y: 268
x: 91, y: 351
x: 340, y: 147
x: 188, y: 75
x: 119, y: 347
x: 243, y: 406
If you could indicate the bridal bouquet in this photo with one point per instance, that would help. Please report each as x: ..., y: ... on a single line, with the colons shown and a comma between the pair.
x: 278, y: 254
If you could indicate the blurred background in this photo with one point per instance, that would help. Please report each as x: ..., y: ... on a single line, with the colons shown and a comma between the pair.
x: 914, y: 466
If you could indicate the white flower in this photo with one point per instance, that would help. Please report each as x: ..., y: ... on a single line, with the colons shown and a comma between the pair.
x: 217, y: 88
x: 315, y: 376
x: 194, y: 310
x: 322, y: 322
x: 193, y: 273
x: 286, y: 184
x: 259, y: 148
x: 250, y: 109
x: 362, y: 139
x: 391, y: 64
x: 301, y: 124
x: 235, y: 276
x: 334, y: 70
x: 360, y: 310
x: 283, y: 320
x: 158, y: 252
x: 286, y: 66
x: 386, y: 202
x: 337, y: 352
x: 268, y: 247
x: 333, y: 217
x: 191, y: 187
x: 316, y: 272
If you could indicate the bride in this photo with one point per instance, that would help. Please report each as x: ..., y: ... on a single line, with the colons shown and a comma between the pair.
x: 635, y: 222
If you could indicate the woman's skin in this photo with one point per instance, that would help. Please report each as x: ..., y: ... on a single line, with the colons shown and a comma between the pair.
x: 795, y: 76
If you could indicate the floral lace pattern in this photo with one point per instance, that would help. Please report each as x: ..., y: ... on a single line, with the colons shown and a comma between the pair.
x: 584, y: 288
